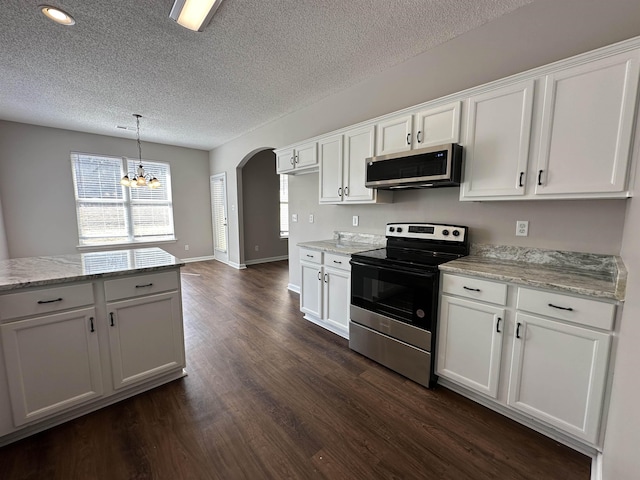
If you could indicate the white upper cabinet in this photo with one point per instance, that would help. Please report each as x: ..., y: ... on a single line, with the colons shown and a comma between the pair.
x: 437, y: 126
x: 418, y: 129
x: 358, y: 146
x: 587, y: 124
x: 302, y: 158
x: 343, y: 168
x: 330, y: 153
x: 573, y: 141
x: 497, y: 142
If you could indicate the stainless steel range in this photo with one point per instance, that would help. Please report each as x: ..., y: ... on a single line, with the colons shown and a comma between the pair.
x: 394, y: 296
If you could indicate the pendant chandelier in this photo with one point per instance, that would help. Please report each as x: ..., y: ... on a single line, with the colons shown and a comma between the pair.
x: 140, y: 178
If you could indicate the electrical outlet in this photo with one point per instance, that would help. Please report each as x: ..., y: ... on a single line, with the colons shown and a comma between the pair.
x: 355, y: 220
x: 257, y: 247
x: 186, y: 247
x: 294, y: 217
x: 311, y: 218
x: 522, y: 228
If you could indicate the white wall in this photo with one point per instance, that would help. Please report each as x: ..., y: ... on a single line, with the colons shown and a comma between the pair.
x: 37, y: 189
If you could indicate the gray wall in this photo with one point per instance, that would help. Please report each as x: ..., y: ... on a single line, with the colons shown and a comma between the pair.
x: 536, y: 34
x: 4, y: 249
x: 261, y: 209
x: 36, y: 189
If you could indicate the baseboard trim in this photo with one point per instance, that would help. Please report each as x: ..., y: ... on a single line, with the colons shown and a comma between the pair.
x: 197, y: 259
x: 266, y: 260
x: 293, y: 288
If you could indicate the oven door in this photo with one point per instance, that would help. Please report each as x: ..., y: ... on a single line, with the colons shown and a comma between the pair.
x: 404, y: 294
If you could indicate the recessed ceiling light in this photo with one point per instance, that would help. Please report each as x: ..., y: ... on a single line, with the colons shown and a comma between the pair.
x: 57, y: 15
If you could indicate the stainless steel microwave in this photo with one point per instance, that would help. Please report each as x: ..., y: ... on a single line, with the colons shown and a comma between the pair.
x: 439, y: 166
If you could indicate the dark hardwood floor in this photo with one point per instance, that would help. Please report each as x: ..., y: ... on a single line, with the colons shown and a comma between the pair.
x: 269, y: 395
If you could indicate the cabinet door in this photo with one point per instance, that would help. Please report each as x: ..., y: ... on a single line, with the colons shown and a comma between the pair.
x: 358, y: 146
x: 470, y: 344
x: 437, y: 126
x: 145, y: 337
x: 337, y: 297
x: 497, y: 142
x: 330, y: 153
x: 587, y: 127
x: 306, y: 155
x: 311, y: 289
x: 394, y: 135
x: 53, y: 363
x: 285, y: 161
x: 558, y: 374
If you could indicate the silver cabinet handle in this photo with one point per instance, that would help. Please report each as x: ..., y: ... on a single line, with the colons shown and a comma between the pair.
x: 297, y: 159
x: 320, y: 276
x: 339, y: 191
x: 346, y: 191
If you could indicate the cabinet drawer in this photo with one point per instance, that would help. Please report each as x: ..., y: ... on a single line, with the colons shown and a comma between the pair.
x: 308, y: 255
x: 46, y: 300
x: 140, y: 285
x: 337, y: 261
x: 584, y: 311
x: 484, y: 290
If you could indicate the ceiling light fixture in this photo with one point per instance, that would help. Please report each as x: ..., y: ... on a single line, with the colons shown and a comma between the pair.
x: 57, y: 15
x: 140, y: 178
x: 194, y: 14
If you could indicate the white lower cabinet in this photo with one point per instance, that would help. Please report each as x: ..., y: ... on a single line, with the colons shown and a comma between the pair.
x: 543, y: 355
x: 145, y: 338
x: 470, y: 343
x: 52, y: 362
x: 68, y: 350
x: 558, y: 374
x: 325, y: 290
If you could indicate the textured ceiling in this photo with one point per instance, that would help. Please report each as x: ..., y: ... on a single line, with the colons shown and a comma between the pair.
x: 256, y: 61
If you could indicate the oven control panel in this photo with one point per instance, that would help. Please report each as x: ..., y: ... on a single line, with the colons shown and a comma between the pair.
x: 427, y: 231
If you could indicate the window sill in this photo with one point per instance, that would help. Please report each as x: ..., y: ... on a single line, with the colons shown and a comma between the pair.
x: 123, y: 246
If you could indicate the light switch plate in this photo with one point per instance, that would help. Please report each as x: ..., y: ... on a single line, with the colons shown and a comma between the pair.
x: 355, y: 220
x: 294, y: 217
x: 522, y: 228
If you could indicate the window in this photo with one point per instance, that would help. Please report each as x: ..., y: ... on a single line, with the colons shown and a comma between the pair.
x: 284, y: 206
x: 109, y: 213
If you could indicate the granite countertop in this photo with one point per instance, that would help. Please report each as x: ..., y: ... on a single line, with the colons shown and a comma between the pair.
x: 38, y: 271
x: 600, y: 276
x: 347, y: 243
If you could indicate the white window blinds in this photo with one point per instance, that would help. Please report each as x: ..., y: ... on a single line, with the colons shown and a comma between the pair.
x: 109, y: 213
x: 284, y: 205
x: 219, y: 205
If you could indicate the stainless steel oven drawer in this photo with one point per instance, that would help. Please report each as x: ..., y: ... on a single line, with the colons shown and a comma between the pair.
x: 418, y: 337
x: 412, y: 362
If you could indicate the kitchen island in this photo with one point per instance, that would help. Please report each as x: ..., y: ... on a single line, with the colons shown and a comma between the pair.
x: 81, y: 331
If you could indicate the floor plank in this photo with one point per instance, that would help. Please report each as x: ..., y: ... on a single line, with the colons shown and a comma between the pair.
x: 270, y: 395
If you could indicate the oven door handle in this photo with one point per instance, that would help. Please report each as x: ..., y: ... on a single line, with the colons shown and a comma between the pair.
x: 408, y: 271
